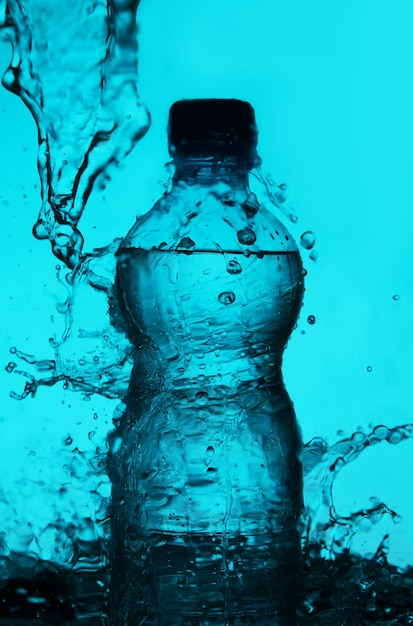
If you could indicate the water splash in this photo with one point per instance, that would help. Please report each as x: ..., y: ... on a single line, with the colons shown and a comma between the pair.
x: 55, y: 566
x: 341, y: 586
x: 86, y: 105
x: 93, y: 354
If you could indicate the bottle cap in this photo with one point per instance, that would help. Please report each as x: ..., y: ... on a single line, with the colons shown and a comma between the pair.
x: 212, y: 128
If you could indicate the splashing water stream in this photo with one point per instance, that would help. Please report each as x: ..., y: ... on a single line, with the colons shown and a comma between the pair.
x: 89, y: 120
x: 55, y: 569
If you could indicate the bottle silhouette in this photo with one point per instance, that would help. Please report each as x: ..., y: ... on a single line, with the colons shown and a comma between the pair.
x: 205, y: 469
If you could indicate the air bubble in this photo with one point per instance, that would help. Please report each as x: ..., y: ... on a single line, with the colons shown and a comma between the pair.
x: 311, y: 319
x: 234, y: 267
x: 369, y: 368
x: 227, y: 297
x: 308, y: 239
x: 396, y: 297
x: 246, y: 236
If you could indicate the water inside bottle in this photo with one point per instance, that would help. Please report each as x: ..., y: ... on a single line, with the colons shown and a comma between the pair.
x: 63, y: 577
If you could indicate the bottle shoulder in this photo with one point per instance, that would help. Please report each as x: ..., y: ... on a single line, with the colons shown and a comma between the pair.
x: 216, y: 217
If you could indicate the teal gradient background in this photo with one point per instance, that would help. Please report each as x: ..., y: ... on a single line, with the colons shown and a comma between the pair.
x: 331, y: 84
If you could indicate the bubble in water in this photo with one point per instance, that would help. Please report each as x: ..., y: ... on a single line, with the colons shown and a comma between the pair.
x: 307, y: 239
x: 227, y: 297
x: 311, y: 319
x: 233, y: 267
x: 369, y: 368
x: 396, y: 297
x: 246, y: 236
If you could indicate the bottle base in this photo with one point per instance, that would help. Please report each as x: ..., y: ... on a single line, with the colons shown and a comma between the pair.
x: 176, y: 580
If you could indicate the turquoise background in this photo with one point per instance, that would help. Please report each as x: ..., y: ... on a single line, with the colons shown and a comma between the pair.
x: 331, y: 84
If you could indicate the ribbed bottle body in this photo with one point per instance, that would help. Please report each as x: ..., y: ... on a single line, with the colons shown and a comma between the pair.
x: 206, y: 475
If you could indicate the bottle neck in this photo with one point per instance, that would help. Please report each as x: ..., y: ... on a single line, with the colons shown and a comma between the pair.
x: 203, y: 171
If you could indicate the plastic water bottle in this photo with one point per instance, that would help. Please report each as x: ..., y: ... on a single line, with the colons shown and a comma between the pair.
x: 207, y: 482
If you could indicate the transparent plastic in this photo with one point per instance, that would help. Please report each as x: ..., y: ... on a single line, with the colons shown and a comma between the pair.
x: 205, y: 467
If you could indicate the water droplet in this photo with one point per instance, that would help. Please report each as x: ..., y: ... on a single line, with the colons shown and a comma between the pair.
x: 358, y: 437
x: 314, y: 255
x: 13, y: 350
x: 293, y: 218
x: 396, y: 297
x: 250, y: 205
x: 10, y: 367
x: 311, y: 319
x: 116, y: 445
x: 369, y: 368
x: 226, y: 199
x: 304, y: 272
x: 211, y: 470
x: 395, y: 437
x: 201, y: 398
x: 226, y: 297
x: 246, y: 236
x: 308, y: 239
x: 381, y: 432
x: 186, y: 244
x: 68, y: 440
x: 210, y: 450
x: 234, y: 267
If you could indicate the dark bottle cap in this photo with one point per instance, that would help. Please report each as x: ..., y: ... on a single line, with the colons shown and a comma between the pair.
x: 213, y: 128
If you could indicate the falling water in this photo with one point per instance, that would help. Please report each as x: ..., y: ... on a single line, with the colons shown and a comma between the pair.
x: 86, y: 106
x: 54, y: 569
